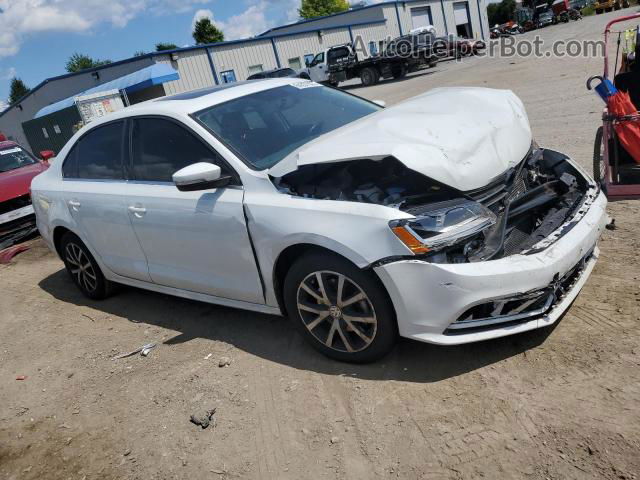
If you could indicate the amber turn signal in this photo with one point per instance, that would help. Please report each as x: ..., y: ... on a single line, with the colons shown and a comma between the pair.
x: 415, y: 245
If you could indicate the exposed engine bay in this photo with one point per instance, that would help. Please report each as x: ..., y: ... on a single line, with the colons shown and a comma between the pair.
x: 511, y: 215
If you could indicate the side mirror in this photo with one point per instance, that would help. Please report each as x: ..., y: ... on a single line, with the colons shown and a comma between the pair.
x: 382, y: 103
x: 46, y: 155
x: 199, y: 176
x: 307, y: 63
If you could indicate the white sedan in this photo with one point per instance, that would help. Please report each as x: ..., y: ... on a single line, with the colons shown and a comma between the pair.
x: 438, y: 219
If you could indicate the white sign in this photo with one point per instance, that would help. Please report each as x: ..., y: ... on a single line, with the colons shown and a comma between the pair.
x: 99, y: 104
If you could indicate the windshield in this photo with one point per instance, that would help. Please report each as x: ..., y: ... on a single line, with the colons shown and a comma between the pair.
x: 13, y: 158
x: 264, y: 127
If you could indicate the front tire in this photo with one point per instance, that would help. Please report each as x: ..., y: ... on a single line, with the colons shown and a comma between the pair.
x: 341, y: 310
x: 83, y: 268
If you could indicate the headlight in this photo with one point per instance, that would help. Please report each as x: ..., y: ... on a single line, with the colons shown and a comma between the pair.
x: 442, y: 225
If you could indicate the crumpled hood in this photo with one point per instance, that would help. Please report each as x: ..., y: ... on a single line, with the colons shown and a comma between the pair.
x: 462, y: 137
x: 15, y: 183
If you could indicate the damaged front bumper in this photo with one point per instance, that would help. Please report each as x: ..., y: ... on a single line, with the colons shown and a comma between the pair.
x: 455, y: 303
x: 17, y: 221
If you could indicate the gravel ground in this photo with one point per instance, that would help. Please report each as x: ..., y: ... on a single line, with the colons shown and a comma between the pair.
x: 554, y: 403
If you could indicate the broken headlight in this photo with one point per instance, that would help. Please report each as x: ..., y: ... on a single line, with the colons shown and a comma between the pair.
x: 442, y: 225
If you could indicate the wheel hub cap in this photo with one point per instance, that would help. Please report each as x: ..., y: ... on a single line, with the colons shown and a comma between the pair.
x: 336, y: 311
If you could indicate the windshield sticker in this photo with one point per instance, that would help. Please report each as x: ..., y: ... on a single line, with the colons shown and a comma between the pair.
x: 10, y: 150
x: 305, y: 84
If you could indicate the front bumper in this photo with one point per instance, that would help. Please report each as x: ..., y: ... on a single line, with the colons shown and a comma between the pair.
x: 429, y: 297
x: 16, y: 225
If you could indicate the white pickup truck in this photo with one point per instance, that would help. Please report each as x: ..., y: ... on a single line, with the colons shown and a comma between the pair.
x: 402, y: 55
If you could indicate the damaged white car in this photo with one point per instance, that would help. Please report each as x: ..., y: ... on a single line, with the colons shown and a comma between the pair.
x: 438, y: 219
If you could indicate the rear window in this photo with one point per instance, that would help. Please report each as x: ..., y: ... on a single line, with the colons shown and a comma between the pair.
x: 14, y: 158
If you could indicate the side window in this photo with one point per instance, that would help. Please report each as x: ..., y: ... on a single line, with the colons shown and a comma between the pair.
x: 70, y: 165
x: 161, y: 148
x: 319, y: 58
x: 97, y: 155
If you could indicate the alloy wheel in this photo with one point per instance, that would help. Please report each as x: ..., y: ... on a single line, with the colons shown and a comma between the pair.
x: 336, y: 311
x: 81, y: 267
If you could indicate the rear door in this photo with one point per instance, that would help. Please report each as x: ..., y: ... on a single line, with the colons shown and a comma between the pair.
x: 195, y: 241
x: 95, y: 192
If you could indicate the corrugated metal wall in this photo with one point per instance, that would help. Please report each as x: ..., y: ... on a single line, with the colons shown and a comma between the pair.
x: 194, y: 69
x: 392, y: 20
x: 334, y: 37
x: 370, y: 33
x: 297, y: 46
x: 479, y: 23
x: 240, y: 57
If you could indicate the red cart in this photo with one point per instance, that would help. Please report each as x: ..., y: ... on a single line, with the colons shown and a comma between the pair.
x: 616, y: 158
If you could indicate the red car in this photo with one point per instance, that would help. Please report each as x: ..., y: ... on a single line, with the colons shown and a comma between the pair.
x: 17, y: 169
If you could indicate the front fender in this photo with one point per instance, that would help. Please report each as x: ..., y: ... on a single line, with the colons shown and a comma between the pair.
x: 357, y: 231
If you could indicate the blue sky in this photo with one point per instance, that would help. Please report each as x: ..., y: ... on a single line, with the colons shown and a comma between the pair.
x: 38, y: 36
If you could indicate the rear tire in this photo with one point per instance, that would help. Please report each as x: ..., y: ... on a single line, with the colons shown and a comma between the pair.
x: 369, y: 76
x: 83, y: 268
x: 342, y: 311
x: 598, y: 160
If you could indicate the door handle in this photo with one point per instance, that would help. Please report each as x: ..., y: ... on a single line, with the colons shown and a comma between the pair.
x: 137, y: 211
x: 74, y: 204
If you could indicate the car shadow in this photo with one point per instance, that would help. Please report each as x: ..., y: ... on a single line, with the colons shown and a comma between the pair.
x: 273, y: 338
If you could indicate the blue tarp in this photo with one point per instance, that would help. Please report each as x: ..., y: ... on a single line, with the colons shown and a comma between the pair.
x: 147, y: 77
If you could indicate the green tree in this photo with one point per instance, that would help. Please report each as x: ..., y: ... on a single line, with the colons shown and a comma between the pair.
x: 502, y: 12
x: 139, y: 53
x: 165, y: 46
x: 318, y: 8
x: 80, y: 61
x: 204, y: 31
x: 17, y: 90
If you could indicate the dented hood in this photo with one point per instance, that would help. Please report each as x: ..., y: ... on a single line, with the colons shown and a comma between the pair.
x: 462, y: 137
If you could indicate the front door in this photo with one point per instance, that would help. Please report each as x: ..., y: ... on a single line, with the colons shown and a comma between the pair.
x: 195, y: 241
x: 95, y: 192
x: 318, y: 69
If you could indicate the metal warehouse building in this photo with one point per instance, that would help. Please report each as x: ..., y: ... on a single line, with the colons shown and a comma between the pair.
x: 206, y: 65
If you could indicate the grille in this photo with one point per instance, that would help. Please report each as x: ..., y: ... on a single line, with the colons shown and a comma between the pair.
x: 492, y: 193
x: 15, y: 203
x: 514, y: 241
x: 519, y: 185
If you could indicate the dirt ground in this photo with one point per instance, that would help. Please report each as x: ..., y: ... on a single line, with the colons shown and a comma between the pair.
x: 551, y: 404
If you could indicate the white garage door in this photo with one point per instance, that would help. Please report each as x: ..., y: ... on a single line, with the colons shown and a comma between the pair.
x: 420, y: 17
x: 461, y: 13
